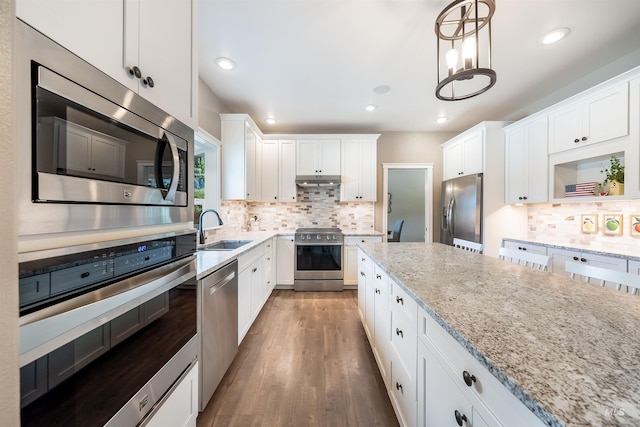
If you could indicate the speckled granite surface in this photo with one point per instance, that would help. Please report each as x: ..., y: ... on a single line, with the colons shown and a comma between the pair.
x: 569, y: 351
x: 570, y: 248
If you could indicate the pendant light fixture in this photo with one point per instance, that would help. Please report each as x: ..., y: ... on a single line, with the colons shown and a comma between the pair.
x: 464, y: 49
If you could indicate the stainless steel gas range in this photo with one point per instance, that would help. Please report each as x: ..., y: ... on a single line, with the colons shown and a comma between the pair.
x: 319, y: 259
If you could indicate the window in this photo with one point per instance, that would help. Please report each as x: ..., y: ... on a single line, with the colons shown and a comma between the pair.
x: 206, y: 182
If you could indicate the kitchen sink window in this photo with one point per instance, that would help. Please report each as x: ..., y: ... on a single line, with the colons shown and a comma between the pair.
x: 206, y: 171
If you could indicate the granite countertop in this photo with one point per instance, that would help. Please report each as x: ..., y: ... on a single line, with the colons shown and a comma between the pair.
x: 576, y: 248
x: 570, y: 351
x: 362, y: 233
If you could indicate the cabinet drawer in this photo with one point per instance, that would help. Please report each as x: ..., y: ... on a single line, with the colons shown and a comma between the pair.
x: 354, y: 240
x: 486, y: 388
x: 404, y: 342
x: 403, y: 393
x: 403, y: 304
x: 249, y: 257
x: 526, y: 247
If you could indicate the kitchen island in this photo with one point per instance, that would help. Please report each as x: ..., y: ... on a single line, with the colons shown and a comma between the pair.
x: 569, y: 351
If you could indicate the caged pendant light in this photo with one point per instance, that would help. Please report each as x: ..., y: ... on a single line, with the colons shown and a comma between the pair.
x: 464, y: 49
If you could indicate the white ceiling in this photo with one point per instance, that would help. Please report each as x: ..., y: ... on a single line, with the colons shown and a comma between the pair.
x: 313, y: 64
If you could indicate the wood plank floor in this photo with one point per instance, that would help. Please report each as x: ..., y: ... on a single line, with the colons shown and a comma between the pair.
x: 306, y: 361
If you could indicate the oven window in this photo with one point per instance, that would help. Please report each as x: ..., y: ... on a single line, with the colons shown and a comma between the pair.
x: 76, y: 141
x: 85, y: 382
x: 319, y: 258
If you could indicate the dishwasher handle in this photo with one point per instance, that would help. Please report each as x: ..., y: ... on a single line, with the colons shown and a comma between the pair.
x: 220, y: 283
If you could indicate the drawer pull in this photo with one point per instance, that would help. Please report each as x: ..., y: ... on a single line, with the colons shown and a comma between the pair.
x: 362, y: 273
x: 583, y: 260
x: 468, y: 378
x: 575, y: 258
x: 363, y: 260
x: 85, y: 275
x: 377, y: 291
x: 399, y: 387
x: 399, y: 332
x: 378, y: 276
x: 399, y: 300
x: 460, y: 418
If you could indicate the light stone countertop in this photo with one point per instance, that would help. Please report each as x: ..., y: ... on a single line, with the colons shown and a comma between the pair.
x: 576, y: 248
x: 569, y: 351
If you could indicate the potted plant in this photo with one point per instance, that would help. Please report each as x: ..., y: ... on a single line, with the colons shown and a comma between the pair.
x: 614, y: 177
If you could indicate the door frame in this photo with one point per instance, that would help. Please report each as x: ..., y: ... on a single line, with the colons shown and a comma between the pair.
x: 428, y: 195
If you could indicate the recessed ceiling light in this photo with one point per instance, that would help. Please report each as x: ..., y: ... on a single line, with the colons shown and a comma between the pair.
x: 270, y: 121
x: 555, y: 35
x: 442, y: 119
x: 382, y: 89
x: 225, y: 63
x: 370, y: 107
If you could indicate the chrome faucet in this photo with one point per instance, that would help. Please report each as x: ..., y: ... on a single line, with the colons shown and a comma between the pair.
x: 201, y: 230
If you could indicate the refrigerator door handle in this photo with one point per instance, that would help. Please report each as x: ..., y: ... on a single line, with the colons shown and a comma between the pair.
x: 450, y: 225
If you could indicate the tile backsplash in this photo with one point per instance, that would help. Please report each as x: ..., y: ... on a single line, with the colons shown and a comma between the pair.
x: 559, y: 224
x: 319, y: 207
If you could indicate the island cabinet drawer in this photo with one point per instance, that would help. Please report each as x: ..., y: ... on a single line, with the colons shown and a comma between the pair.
x: 404, y: 342
x: 401, y: 303
x: 403, y: 394
x: 470, y: 375
x: 354, y: 240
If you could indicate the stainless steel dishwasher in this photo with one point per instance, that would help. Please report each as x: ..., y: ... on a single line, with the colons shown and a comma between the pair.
x: 218, y: 327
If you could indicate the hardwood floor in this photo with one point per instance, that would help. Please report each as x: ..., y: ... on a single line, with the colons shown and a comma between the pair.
x: 306, y: 361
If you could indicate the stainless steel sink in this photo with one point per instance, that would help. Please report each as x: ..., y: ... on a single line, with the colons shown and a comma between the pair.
x: 225, y: 245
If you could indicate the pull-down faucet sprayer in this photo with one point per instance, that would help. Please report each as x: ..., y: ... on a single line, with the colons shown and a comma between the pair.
x: 201, y: 230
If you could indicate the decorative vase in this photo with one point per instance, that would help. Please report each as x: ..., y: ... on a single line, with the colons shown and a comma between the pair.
x: 616, y: 188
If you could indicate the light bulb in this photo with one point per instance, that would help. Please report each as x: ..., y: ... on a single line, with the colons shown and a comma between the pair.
x: 452, y: 60
x: 469, y: 52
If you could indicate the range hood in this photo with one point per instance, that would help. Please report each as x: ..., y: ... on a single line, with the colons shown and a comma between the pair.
x: 318, y: 180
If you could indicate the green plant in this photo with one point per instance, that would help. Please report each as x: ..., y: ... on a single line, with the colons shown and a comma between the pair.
x: 615, y: 172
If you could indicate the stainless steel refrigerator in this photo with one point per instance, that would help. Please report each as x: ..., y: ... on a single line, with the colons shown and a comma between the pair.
x: 461, y: 209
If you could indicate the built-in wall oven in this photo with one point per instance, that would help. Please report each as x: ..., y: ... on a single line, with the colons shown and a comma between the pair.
x: 319, y: 258
x: 93, y: 155
x: 106, y: 330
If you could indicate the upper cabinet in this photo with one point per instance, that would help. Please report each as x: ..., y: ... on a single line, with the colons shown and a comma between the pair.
x: 318, y: 157
x: 241, y: 158
x: 598, y: 117
x: 359, y: 170
x: 526, y: 174
x: 146, y: 46
x: 463, y: 154
x: 278, y: 171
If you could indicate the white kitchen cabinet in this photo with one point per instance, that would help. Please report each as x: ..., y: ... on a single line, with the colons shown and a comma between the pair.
x: 526, y: 247
x: 463, y: 155
x: 249, y: 283
x: 382, y: 322
x: 365, y: 300
x: 560, y: 256
x: 116, y: 36
x: 268, y: 268
x: 597, y: 116
x: 180, y: 409
x: 269, y: 171
x: 241, y: 158
x: 318, y: 157
x: 359, y: 170
x: 351, y: 256
x: 526, y: 161
x: 285, y: 249
x: 287, y: 190
x: 633, y: 267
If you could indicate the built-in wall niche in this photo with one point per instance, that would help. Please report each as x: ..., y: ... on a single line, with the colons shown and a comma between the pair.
x: 580, y: 173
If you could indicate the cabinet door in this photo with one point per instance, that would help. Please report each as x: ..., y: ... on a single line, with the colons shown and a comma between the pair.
x: 565, y: 126
x: 269, y: 168
x: 285, y: 259
x: 244, y: 302
x: 287, y: 190
x: 329, y: 157
x: 472, y: 154
x: 351, y: 265
x: 382, y: 322
x: 453, y: 160
x: 527, y: 247
x: 634, y: 267
x: 256, y: 288
x: 252, y: 158
x: 350, y: 175
x: 368, y: 171
x: 165, y: 54
x: 537, y: 162
x: 181, y: 406
x: 307, y: 157
x: 68, y: 22
x: 559, y: 257
x: 515, y: 165
x: 606, y: 114
x: 107, y: 157
x: 78, y: 148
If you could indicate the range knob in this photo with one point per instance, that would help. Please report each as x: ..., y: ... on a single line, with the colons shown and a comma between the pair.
x: 318, y: 237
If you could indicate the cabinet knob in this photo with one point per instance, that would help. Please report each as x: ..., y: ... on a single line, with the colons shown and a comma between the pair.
x: 399, y: 300
x: 254, y: 269
x: 520, y: 198
x: 468, y: 378
x: 399, y: 333
x: 583, y: 260
x: 399, y: 387
x: 377, y: 291
x: 524, y: 197
x: 378, y: 276
x: 135, y: 72
x: 460, y: 418
x: 584, y: 138
x: 362, y: 273
x: 576, y: 140
x: 148, y: 81
x: 575, y: 258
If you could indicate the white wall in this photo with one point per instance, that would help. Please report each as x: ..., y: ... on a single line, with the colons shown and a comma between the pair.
x: 9, y: 391
x: 209, y: 109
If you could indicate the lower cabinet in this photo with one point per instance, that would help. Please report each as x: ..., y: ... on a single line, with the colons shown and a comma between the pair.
x: 285, y: 260
x: 559, y: 257
x: 526, y: 247
x: 180, y: 409
x: 351, y: 257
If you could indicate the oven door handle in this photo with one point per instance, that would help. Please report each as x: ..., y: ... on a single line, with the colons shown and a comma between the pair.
x: 167, y: 138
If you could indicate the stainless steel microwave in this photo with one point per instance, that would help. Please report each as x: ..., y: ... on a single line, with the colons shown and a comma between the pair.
x: 92, y: 153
